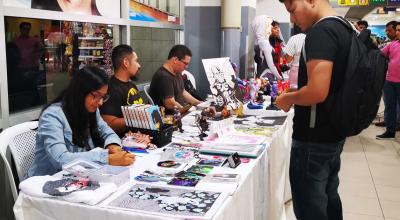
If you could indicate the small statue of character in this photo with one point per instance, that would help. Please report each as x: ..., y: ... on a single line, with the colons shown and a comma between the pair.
x: 253, y: 89
x: 274, y: 94
x: 225, y: 112
x: 178, y: 119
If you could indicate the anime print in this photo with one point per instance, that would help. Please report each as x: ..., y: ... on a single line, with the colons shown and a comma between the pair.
x: 221, y: 77
x: 170, y: 201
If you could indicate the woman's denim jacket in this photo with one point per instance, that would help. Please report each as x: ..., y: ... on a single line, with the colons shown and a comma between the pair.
x: 54, y: 146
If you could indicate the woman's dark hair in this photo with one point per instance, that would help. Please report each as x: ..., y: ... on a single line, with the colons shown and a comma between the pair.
x: 275, y: 23
x: 82, y: 122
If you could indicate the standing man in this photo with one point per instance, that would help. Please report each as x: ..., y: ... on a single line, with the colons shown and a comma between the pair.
x: 391, y: 34
x: 391, y: 89
x: 121, y: 88
x: 316, y: 147
x: 167, y: 88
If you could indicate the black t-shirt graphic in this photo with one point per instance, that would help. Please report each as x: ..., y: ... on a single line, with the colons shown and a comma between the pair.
x: 121, y: 94
x: 327, y: 40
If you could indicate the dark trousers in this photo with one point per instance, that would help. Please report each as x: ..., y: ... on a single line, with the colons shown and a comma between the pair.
x: 314, y: 179
x: 391, y: 93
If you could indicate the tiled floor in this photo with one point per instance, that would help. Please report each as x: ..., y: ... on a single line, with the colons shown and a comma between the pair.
x: 370, y: 178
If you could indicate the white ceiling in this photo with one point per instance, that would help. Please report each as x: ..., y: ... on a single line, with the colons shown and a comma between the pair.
x: 372, y: 17
x: 381, y: 19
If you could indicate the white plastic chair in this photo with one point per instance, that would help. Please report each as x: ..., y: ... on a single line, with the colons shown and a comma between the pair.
x: 20, y: 140
x: 190, y: 77
x: 146, y: 89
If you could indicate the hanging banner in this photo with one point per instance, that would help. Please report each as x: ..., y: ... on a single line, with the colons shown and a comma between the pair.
x: 351, y: 2
x: 377, y: 2
x: 342, y: 3
x: 105, y: 8
x: 154, y: 11
x: 393, y: 2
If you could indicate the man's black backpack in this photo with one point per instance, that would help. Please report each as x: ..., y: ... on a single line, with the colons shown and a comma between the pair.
x: 355, y: 105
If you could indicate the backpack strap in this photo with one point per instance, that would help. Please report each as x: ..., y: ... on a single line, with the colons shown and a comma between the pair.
x: 313, y: 111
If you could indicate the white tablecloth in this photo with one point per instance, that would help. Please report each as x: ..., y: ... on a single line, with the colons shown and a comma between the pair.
x: 261, y: 193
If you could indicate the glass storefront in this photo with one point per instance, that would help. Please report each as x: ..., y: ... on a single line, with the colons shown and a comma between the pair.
x: 43, y: 54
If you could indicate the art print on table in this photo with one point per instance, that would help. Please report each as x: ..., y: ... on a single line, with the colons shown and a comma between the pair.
x: 211, y: 161
x: 259, y: 121
x: 67, y: 186
x: 200, y: 169
x: 168, y: 201
x: 168, y: 164
x: 260, y: 131
x: 185, y: 180
x: 221, y: 77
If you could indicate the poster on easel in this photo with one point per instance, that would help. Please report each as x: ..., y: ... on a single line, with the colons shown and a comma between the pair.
x: 221, y: 76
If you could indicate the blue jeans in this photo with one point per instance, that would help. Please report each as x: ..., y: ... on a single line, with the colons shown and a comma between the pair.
x: 314, y: 179
x: 397, y: 111
x: 391, y: 92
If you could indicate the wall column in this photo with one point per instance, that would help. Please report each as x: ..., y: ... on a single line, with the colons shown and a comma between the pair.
x: 230, y: 29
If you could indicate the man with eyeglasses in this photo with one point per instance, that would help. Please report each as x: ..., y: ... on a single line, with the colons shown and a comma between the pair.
x: 121, y: 88
x: 167, y: 87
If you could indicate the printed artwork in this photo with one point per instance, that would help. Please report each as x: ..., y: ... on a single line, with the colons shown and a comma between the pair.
x: 200, y: 169
x: 221, y: 77
x: 153, y: 176
x: 259, y: 120
x: 242, y: 150
x: 86, y: 7
x: 167, y: 201
x: 154, y: 11
x: 68, y: 185
x: 261, y: 131
x: 211, y: 161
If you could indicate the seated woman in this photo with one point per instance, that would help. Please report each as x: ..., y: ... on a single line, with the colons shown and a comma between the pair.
x: 71, y: 127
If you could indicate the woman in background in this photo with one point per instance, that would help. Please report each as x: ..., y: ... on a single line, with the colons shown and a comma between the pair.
x: 262, y: 27
x: 71, y: 127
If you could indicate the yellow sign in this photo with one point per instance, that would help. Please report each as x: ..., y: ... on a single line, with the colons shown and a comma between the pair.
x: 342, y: 3
x: 351, y: 2
x: 363, y: 2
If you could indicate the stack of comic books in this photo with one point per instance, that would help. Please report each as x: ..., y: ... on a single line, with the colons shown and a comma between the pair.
x: 142, y: 116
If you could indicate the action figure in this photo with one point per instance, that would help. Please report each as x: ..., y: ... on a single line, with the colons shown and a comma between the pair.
x: 178, y: 119
x: 201, y: 121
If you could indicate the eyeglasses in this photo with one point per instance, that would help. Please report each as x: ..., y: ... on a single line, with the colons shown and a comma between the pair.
x: 186, y: 63
x: 98, y: 97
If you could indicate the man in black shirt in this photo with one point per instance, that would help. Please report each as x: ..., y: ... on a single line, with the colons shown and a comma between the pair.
x: 167, y: 88
x: 316, y: 146
x: 121, y: 88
